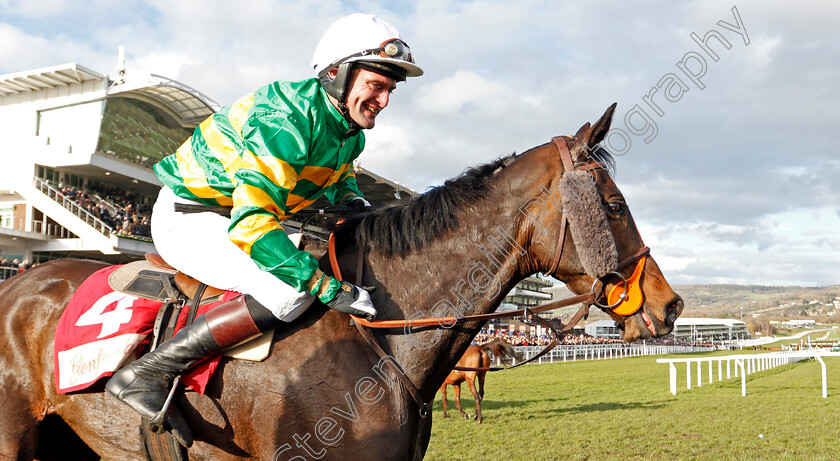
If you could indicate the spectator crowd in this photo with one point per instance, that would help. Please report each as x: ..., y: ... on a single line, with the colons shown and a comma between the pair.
x: 117, y: 208
x: 15, y: 266
x: 521, y: 338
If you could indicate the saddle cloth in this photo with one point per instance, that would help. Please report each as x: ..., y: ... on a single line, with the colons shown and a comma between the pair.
x: 102, y: 330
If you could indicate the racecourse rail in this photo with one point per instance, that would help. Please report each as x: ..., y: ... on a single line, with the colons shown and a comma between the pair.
x: 743, y: 366
x: 574, y: 352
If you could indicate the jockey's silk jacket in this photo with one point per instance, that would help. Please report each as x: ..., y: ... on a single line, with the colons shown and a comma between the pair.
x: 269, y: 155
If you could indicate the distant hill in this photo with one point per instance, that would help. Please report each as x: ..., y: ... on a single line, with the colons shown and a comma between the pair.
x: 726, y: 301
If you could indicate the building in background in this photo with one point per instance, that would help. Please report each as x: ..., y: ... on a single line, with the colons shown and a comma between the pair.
x: 603, y: 329
x: 527, y: 293
x: 800, y: 323
x: 77, y: 151
x: 699, y: 330
x: 687, y: 330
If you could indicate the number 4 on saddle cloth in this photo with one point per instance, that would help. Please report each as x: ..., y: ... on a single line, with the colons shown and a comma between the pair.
x: 119, y: 312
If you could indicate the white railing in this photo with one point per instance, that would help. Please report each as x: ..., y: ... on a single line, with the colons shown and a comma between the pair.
x: 53, y: 230
x: 8, y: 271
x: 743, y: 365
x: 72, y: 207
x: 112, y: 208
x: 574, y: 352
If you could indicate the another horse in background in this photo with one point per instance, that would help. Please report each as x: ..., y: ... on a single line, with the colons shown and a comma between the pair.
x: 475, y: 357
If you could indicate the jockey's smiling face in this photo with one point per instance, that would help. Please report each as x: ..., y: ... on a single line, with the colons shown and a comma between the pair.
x: 367, y: 95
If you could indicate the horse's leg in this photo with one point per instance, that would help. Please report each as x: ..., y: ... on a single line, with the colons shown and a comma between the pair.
x: 458, y: 400
x: 18, y: 427
x: 471, y: 384
x: 56, y: 439
x: 481, y: 375
x: 443, y: 392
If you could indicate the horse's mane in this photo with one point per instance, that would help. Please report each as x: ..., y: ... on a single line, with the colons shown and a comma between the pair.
x: 401, y: 229
x: 398, y: 230
x: 604, y: 158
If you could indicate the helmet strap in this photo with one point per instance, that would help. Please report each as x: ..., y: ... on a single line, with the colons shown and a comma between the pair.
x: 337, y: 88
x: 353, y: 127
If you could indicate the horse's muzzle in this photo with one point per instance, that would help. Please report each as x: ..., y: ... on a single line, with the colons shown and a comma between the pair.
x: 645, y: 325
x: 672, y: 312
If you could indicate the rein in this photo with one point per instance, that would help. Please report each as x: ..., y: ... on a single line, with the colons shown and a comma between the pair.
x: 529, y: 314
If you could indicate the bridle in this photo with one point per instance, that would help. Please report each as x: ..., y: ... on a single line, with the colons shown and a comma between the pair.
x: 622, y: 292
x: 627, y: 291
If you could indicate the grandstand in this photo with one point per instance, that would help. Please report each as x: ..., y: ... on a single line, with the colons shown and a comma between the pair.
x: 699, y: 330
x: 527, y: 293
x: 687, y: 330
x: 77, y: 152
x: 603, y: 329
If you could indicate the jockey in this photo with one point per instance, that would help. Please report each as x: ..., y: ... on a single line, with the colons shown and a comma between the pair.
x: 268, y: 155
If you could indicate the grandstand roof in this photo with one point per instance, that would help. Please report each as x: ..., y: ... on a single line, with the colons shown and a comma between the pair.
x: 183, y: 104
x: 688, y: 321
x: 46, y: 77
x: 379, y: 189
x: 186, y: 105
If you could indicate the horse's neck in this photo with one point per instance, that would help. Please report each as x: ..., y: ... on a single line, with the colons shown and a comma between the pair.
x: 466, y: 273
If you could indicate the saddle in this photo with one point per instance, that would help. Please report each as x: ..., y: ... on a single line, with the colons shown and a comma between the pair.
x: 153, y: 278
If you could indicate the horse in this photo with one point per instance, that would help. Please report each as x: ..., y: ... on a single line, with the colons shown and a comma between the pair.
x: 475, y: 356
x: 323, y: 392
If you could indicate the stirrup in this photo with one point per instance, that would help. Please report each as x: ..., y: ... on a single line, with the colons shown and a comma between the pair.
x: 156, y: 424
x: 180, y: 430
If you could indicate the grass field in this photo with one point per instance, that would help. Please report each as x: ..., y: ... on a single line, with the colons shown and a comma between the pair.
x: 622, y: 409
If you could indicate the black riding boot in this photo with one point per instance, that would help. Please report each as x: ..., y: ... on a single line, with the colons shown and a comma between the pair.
x: 145, y: 383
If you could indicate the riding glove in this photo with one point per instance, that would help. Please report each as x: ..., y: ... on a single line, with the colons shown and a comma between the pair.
x: 359, y: 205
x: 353, y: 300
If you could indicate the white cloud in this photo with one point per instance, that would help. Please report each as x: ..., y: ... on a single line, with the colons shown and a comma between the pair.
x: 736, y: 187
x: 30, y: 8
x: 466, y: 91
x: 167, y: 64
x: 22, y: 51
x: 387, y: 149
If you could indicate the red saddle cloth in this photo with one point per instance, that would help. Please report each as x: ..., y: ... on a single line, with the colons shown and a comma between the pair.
x: 103, y: 330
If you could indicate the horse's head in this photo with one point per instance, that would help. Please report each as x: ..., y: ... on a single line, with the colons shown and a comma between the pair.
x: 598, y: 246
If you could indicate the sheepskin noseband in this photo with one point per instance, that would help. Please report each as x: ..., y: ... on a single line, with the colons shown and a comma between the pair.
x: 588, y: 223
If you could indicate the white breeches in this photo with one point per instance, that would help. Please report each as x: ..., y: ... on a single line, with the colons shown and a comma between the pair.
x: 198, y: 245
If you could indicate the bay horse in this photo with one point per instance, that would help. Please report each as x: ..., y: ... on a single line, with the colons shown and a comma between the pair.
x: 323, y: 392
x: 475, y: 356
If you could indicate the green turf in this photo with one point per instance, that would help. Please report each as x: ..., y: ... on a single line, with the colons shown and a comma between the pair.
x: 622, y: 409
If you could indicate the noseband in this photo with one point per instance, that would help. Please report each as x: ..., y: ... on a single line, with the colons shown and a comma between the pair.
x: 626, y: 297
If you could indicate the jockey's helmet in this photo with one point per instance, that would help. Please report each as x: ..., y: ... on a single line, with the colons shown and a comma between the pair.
x: 366, y: 41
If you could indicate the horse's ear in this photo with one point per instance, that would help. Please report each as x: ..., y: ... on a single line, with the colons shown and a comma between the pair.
x: 583, y: 133
x: 602, y: 126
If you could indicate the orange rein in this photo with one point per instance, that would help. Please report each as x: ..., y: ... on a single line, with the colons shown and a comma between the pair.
x: 384, y: 323
x: 449, y: 321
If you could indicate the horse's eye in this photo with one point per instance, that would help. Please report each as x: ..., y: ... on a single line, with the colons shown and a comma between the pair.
x: 615, y: 207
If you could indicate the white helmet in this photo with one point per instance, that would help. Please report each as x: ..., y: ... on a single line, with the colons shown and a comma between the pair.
x: 367, y: 41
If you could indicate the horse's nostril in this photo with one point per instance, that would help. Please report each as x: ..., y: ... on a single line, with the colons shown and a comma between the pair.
x: 672, y: 312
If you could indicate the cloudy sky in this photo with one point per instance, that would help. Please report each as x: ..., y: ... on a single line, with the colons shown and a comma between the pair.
x: 733, y: 176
